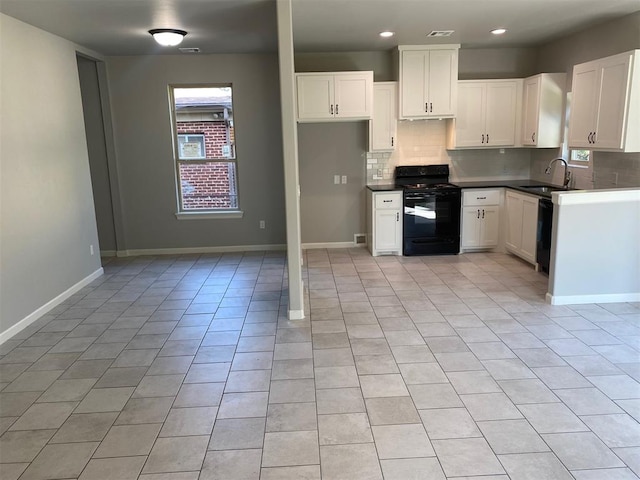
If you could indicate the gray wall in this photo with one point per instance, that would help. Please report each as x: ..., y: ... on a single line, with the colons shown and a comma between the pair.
x: 329, y: 212
x: 140, y: 108
x: 380, y: 62
x: 602, y: 40
x: 47, y: 216
x: 96, y: 145
x: 481, y: 63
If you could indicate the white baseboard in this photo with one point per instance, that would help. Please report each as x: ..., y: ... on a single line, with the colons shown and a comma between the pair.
x: 309, y: 246
x: 108, y: 253
x: 179, y: 251
x: 295, y: 314
x: 32, y: 317
x: 595, y: 298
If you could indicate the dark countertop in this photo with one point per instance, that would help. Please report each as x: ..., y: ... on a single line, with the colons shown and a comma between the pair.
x: 384, y: 187
x: 514, y: 184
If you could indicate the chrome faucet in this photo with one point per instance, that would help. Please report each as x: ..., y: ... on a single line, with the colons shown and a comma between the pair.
x: 567, y: 173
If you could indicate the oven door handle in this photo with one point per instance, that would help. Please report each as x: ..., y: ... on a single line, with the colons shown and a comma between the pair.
x: 418, y: 197
x: 442, y: 193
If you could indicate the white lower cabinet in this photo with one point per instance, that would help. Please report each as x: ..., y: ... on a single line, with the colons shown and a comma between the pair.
x: 480, y: 219
x: 522, y: 225
x: 384, y: 222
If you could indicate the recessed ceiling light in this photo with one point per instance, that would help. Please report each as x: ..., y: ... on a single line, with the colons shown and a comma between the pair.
x: 498, y: 31
x: 386, y: 34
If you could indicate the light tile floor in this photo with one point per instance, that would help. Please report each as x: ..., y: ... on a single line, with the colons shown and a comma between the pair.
x: 185, y: 368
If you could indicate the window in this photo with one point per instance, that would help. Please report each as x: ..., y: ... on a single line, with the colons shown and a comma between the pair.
x: 580, y: 158
x: 204, y: 144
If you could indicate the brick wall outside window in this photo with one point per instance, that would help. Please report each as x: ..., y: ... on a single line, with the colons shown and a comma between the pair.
x: 207, y: 185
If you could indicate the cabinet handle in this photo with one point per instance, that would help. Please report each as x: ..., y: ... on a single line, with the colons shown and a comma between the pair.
x: 533, y: 137
x: 387, y: 201
x: 487, y: 138
x: 481, y: 198
x: 392, y: 141
x: 426, y: 107
x: 397, y: 216
x: 331, y: 109
x: 482, y: 213
x: 336, y: 109
x: 478, y: 216
x: 482, y: 138
x: 430, y: 107
x: 593, y: 138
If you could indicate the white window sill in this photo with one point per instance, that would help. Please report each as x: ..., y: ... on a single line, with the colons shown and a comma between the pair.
x: 209, y: 215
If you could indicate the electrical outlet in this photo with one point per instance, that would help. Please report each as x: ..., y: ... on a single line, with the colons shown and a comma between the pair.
x: 336, y: 179
x: 263, y: 225
x: 91, y: 249
x: 344, y: 179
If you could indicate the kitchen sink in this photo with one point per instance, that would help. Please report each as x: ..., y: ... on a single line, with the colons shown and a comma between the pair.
x: 543, y: 189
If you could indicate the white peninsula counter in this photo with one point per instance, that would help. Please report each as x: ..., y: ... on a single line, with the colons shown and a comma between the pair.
x: 595, y: 249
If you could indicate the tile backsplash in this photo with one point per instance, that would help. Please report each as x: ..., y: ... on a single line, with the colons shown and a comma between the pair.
x: 423, y: 142
x: 606, y: 170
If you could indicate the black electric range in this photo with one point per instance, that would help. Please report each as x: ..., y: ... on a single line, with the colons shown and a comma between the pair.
x: 431, y: 223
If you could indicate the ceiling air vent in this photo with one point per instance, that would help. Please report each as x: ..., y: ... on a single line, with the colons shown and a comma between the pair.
x: 440, y: 33
x: 189, y: 50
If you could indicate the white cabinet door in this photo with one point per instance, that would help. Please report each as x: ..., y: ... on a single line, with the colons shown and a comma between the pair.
x: 522, y: 225
x: 501, y: 109
x: 415, y: 65
x: 542, y: 110
x: 488, y: 114
x: 529, y: 228
x: 470, y: 237
x: 584, y: 105
x: 428, y: 81
x: 531, y: 94
x: 315, y: 96
x: 605, y: 110
x: 384, y: 222
x: 614, y: 83
x: 383, y: 124
x: 353, y: 95
x: 470, y: 120
x: 490, y: 222
x: 387, y: 234
x: 442, y: 80
x: 513, y: 239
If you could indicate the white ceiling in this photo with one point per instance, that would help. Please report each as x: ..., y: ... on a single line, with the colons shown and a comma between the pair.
x: 119, y: 27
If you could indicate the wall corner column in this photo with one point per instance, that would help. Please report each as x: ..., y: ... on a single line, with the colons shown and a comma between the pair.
x: 290, y: 157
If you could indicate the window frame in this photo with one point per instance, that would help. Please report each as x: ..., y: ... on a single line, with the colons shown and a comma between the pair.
x: 191, y: 214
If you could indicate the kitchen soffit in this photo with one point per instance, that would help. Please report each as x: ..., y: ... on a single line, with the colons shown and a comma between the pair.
x: 119, y: 27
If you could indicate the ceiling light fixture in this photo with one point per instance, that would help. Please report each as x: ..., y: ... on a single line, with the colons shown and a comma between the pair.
x: 167, y: 37
x: 386, y: 34
x: 498, y: 31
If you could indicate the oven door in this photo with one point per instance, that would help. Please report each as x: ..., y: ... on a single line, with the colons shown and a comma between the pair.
x: 432, y: 222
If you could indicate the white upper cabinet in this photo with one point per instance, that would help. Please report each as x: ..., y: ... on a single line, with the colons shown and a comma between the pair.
x: 428, y: 81
x: 383, y: 125
x: 334, y: 96
x: 605, y: 104
x: 543, y: 110
x: 488, y: 114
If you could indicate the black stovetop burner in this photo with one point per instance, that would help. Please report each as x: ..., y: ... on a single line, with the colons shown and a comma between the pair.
x: 423, y: 177
x: 427, y: 186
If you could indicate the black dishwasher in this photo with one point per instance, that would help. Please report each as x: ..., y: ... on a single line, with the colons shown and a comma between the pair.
x: 543, y: 244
